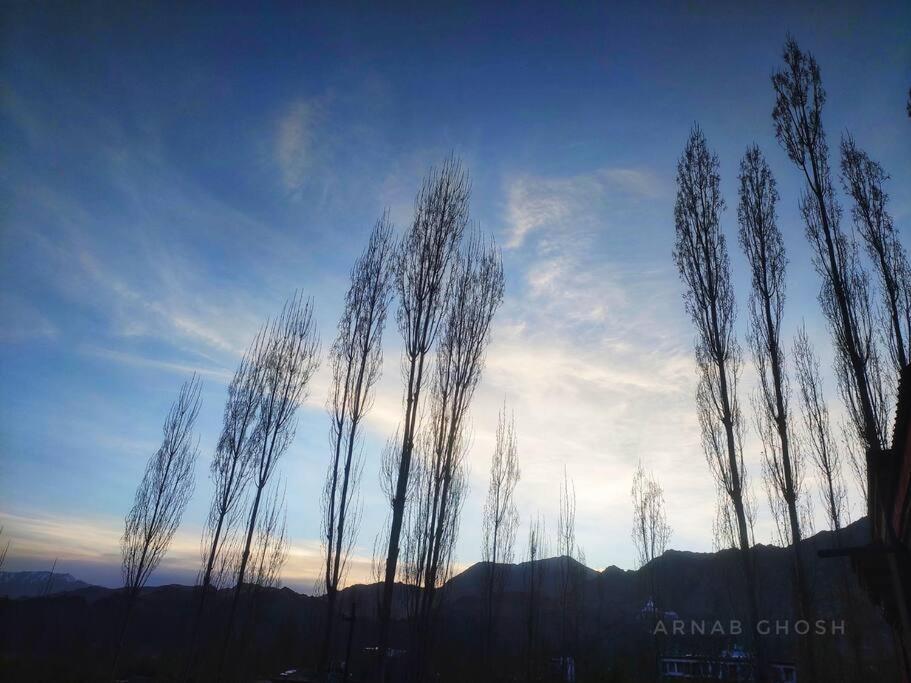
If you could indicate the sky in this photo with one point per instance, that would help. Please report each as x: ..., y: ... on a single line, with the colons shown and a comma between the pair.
x: 172, y: 174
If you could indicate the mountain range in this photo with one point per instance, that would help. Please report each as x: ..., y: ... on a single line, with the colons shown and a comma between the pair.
x: 79, y: 621
x: 42, y: 583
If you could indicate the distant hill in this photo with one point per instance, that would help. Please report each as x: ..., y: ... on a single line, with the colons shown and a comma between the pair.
x: 470, y: 583
x: 34, y: 584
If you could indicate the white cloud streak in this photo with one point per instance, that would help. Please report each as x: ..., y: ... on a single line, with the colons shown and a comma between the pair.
x: 535, y: 203
x: 294, y: 143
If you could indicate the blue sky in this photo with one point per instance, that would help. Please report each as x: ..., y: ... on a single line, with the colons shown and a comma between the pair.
x: 170, y: 176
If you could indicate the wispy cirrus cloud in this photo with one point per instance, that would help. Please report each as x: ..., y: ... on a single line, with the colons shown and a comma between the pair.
x: 535, y: 203
x: 139, y: 262
x: 222, y: 374
x: 294, y: 142
x: 23, y: 321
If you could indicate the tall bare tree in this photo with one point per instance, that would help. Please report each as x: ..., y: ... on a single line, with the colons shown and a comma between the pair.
x: 650, y: 534
x: 799, y: 98
x: 230, y: 475
x: 476, y: 294
x: 702, y: 259
x: 845, y: 295
x: 356, y: 359
x: 651, y: 531
x: 763, y: 246
x: 827, y: 456
x: 501, y: 520
x: 864, y: 181
x: 568, y: 550
x: 230, y: 467
x: 533, y: 576
x: 422, y: 283
x: 824, y: 450
x: 289, y: 357
x: 161, y: 497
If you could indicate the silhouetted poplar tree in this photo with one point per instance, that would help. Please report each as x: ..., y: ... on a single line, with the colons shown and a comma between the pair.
x: 651, y: 532
x: 230, y: 468
x: 289, y: 357
x: 533, y: 577
x: 864, y: 181
x: 422, y: 283
x: 476, y: 294
x: 161, y: 497
x: 702, y: 259
x: 230, y: 475
x: 501, y: 520
x: 272, y: 541
x: 826, y: 455
x: 566, y: 547
x: 844, y: 295
x: 356, y: 359
x: 763, y: 246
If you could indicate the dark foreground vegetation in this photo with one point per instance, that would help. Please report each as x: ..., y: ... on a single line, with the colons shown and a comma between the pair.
x: 69, y: 636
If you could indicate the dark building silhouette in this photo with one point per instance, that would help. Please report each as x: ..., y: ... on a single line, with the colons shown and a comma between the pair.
x: 732, y: 666
x: 884, y: 566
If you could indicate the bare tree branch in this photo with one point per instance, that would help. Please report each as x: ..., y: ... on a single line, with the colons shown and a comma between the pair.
x: 864, y: 181
x: 501, y: 521
x: 824, y: 450
x: 4, y: 551
x: 568, y: 551
x: 270, y: 546
x: 651, y: 532
x: 163, y: 493
x: 857, y: 457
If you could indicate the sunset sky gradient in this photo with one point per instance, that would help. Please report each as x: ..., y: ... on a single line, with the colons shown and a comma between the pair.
x: 170, y: 176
